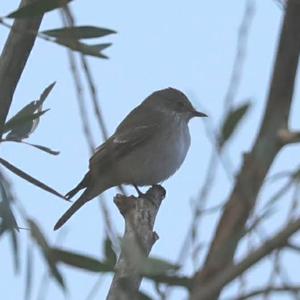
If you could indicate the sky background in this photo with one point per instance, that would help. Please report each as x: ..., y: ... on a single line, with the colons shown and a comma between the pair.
x: 188, y: 45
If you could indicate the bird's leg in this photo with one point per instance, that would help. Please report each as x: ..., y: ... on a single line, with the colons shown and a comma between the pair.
x: 143, y: 195
x: 138, y: 190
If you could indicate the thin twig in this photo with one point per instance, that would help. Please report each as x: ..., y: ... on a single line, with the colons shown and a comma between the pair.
x: 278, y: 241
x: 233, y: 86
x: 268, y: 290
x: 258, y: 162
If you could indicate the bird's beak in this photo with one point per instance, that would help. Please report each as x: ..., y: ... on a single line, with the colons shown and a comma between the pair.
x: 198, y: 114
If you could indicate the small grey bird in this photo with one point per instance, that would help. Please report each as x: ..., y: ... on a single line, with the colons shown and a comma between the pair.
x: 147, y: 148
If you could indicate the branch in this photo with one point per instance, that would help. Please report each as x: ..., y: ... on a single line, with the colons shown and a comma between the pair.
x: 13, y: 59
x: 268, y: 290
x: 90, y: 80
x: 279, y: 240
x: 258, y: 162
x: 288, y: 137
x: 138, y: 239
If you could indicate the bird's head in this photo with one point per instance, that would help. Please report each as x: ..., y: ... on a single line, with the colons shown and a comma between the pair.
x: 175, y: 102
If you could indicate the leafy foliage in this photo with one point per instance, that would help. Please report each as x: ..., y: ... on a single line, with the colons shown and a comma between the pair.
x: 78, y: 32
x: 156, y: 266
x: 8, y: 222
x: 92, y: 50
x: 21, y: 125
x: 232, y: 121
x: 110, y: 255
x: 29, y: 273
x: 80, y: 261
x: 41, y: 241
x: 30, y: 179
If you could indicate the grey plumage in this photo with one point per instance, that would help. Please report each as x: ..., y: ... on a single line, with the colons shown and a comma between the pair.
x: 148, y: 146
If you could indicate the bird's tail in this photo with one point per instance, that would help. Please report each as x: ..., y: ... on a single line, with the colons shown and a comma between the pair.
x: 72, y: 210
x: 82, y: 185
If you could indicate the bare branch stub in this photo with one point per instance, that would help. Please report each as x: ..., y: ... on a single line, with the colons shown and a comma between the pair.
x: 139, y: 215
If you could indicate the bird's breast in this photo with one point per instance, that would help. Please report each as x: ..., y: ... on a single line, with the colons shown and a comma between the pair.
x: 161, y: 157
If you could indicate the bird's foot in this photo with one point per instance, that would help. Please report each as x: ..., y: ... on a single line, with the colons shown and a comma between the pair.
x: 144, y: 195
x: 140, y: 193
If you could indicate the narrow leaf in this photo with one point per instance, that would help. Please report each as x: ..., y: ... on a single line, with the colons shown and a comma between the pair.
x: 232, y: 121
x: 41, y: 241
x: 43, y: 148
x: 46, y: 92
x: 79, y: 261
x: 29, y: 273
x: 9, y: 222
x: 172, y: 280
x: 27, y: 119
x: 110, y: 255
x: 22, y: 116
x: 100, y: 47
x: 21, y: 126
x: 155, y: 266
x: 296, y: 175
x: 92, y: 50
x: 38, y: 236
x: 8, y: 218
x: 30, y: 179
x: 78, y: 32
x: 37, y: 8
x: 15, y: 248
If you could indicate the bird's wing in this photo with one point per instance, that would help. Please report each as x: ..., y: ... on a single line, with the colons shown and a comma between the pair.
x: 132, y: 132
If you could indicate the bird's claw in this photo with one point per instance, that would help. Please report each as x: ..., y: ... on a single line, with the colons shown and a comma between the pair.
x: 144, y: 195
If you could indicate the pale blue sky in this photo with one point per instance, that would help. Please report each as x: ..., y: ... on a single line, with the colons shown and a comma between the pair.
x: 189, y: 45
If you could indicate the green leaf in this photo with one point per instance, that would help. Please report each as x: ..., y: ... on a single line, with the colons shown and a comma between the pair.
x: 8, y: 221
x: 26, y: 120
x: 29, y: 273
x: 78, y: 32
x: 30, y: 179
x: 42, y: 148
x: 41, y: 241
x: 92, y: 50
x: 6, y: 214
x: 79, y: 261
x: 15, y: 247
x: 22, y: 126
x: 38, y: 236
x: 296, y: 175
x: 37, y: 8
x: 155, y: 266
x: 26, y: 114
x: 232, y: 121
x: 172, y: 280
x: 110, y: 256
x: 46, y: 93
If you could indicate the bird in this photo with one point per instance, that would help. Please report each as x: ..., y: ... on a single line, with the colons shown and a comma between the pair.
x: 148, y: 147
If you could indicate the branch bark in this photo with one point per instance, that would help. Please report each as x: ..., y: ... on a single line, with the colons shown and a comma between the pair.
x: 257, y: 163
x: 278, y: 241
x: 13, y: 59
x: 270, y: 289
x: 137, y: 242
